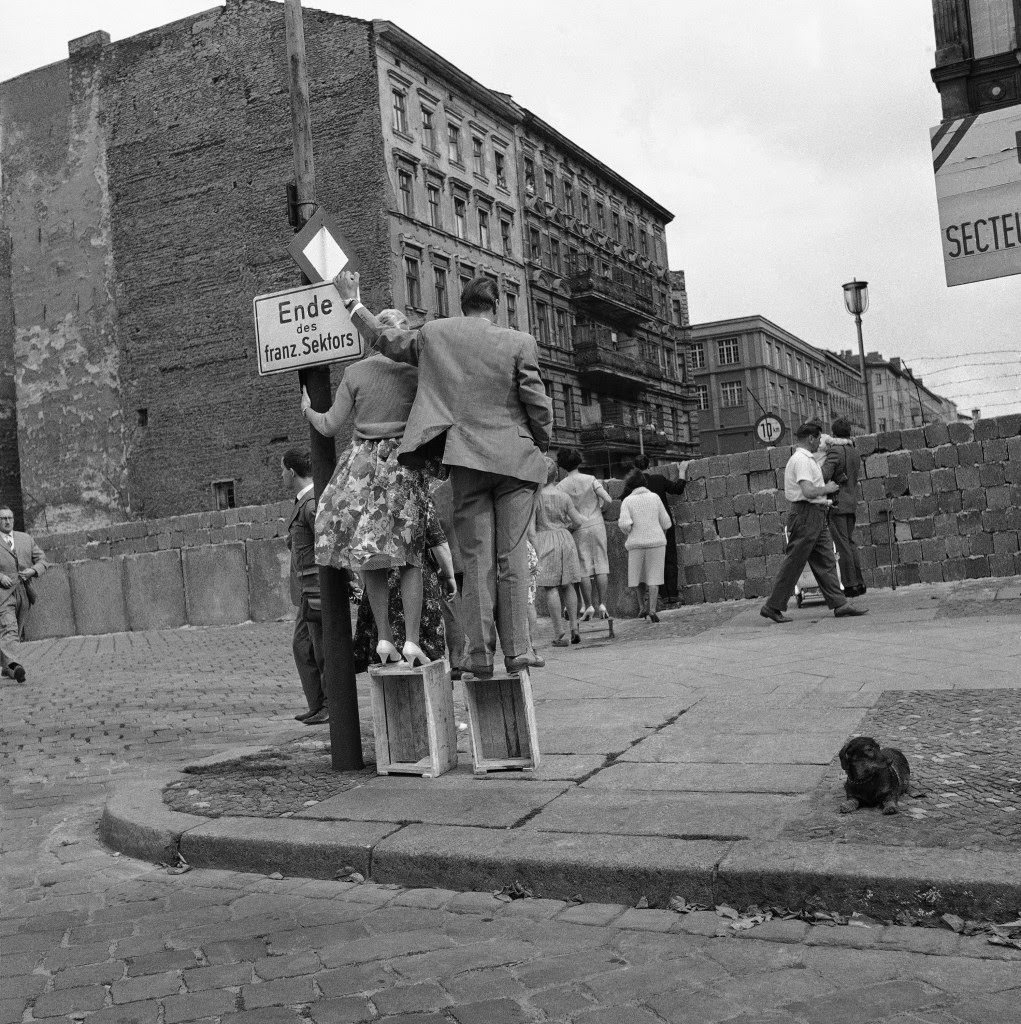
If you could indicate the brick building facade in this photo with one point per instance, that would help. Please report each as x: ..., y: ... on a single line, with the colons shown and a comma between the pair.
x: 143, y: 206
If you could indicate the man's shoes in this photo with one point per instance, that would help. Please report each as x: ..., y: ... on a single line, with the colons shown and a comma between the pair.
x: 575, y: 637
x: 522, y: 661
x: 306, y: 715
x: 482, y: 672
x: 771, y: 613
x: 847, y: 610
x: 17, y: 671
x: 321, y: 717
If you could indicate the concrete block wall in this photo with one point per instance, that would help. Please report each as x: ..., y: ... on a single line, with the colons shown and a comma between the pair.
x: 203, y: 569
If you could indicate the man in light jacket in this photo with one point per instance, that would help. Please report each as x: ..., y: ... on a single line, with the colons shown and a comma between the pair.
x: 21, y: 562
x: 481, y: 411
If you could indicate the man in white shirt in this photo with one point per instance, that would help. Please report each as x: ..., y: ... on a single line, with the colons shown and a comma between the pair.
x: 808, y: 535
x: 21, y: 562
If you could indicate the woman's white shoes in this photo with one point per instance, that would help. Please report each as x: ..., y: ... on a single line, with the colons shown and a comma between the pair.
x: 603, y: 613
x: 589, y: 613
x: 386, y: 652
x: 413, y: 654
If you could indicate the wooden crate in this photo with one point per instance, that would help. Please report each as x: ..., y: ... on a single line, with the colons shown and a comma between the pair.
x: 501, y: 720
x: 413, y: 719
x: 595, y: 630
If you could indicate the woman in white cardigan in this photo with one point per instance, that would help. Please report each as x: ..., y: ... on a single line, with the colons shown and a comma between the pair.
x: 644, y: 519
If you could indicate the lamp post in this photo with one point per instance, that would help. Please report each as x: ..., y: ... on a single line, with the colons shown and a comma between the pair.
x: 856, y: 299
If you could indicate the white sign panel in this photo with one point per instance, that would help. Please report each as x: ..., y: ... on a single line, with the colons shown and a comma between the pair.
x: 306, y: 326
x: 977, y: 163
x: 769, y: 429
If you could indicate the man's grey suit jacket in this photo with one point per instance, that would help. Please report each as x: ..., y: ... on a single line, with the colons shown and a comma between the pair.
x: 477, y: 383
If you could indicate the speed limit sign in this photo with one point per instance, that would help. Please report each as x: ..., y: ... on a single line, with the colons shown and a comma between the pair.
x: 769, y: 429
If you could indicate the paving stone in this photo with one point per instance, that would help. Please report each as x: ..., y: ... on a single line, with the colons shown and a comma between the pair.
x: 90, y: 974
x: 492, y: 1011
x: 348, y: 1010
x: 866, y: 1003
x: 196, y: 1005
x: 356, y: 978
x: 150, y: 986
x: 156, y: 963
x: 142, y: 1012
x: 597, y: 914
x: 701, y: 922
x: 537, y: 909
x: 64, y: 1001
x: 431, y: 899
x: 405, y: 998
x: 287, y: 966
x: 779, y: 931
x: 647, y: 920
x: 220, y: 976
x: 281, y: 992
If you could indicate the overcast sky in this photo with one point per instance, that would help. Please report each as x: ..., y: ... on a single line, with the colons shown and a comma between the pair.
x: 790, y: 138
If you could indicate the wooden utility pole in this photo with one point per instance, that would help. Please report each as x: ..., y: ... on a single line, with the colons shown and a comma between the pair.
x: 339, y: 676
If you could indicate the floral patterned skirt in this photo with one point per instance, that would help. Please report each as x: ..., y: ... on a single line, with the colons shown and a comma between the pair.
x: 372, y: 513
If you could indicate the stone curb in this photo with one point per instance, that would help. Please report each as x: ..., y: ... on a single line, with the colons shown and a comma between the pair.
x: 878, y: 881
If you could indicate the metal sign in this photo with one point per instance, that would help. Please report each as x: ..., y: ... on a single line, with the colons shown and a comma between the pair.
x: 769, y: 429
x: 977, y: 164
x: 306, y: 326
x: 321, y: 250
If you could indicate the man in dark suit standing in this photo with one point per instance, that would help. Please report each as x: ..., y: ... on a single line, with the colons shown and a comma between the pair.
x: 842, y: 465
x: 482, y: 411
x: 21, y: 562
x: 307, y: 645
x: 662, y: 486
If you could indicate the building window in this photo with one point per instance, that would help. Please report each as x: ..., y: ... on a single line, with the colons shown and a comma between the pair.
x: 698, y: 356
x: 454, y: 143
x: 882, y: 424
x: 440, y: 288
x: 601, y: 216
x: 512, y: 310
x: 772, y: 394
x: 992, y: 27
x: 464, y: 278
x: 535, y: 244
x: 461, y: 217
x: 643, y: 242
x: 630, y: 235
x: 586, y: 213
x: 727, y: 351
x: 406, y: 193
x: 529, y: 177
x: 731, y: 394
x: 702, y: 396
x: 435, y: 210
x: 143, y: 417
x: 223, y: 494
x: 506, y: 241
x: 484, y: 239
x: 549, y: 188
x: 478, y: 156
x: 554, y: 255
x: 879, y: 401
x: 568, y: 188
x: 400, y: 112
x: 500, y: 163
x: 563, y: 330
x: 616, y: 225
x: 412, y: 282
x: 428, y: 129
x: 542, y: 323
x: 790, y: 364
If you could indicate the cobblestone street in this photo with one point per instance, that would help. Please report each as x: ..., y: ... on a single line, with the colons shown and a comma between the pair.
x: 87, y: 935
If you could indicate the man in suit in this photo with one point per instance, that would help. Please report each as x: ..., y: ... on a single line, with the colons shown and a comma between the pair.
x: 21, y: 562
x: 842, y: 465
x: 296, y: 470
x: 662, y: 486
x: 482, y: 411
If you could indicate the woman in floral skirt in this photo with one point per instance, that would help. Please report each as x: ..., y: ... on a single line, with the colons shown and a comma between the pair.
x: 371, y: 516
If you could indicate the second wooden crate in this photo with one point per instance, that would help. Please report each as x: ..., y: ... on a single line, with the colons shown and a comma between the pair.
x: 413, y: 719
x: 501, y: 718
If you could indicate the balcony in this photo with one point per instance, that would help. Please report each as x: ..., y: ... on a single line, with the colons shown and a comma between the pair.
x: 623, y: 438
x: 623, y: 297
x: 610, y: 362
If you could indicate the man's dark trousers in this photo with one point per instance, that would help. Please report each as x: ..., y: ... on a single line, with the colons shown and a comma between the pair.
x: 808, y: 542
x: 307, y: 646
x: 842, y: 528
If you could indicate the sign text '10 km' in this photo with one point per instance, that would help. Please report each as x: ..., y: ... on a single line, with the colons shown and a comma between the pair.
x: 303, y: 327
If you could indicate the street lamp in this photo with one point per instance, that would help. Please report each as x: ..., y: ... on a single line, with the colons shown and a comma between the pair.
x: 856, y: 299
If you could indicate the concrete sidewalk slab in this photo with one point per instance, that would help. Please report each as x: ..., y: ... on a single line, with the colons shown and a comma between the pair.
x: 676, y: 743
x: 443, y: 804
x: 723, y: 816
x: 707, y: 778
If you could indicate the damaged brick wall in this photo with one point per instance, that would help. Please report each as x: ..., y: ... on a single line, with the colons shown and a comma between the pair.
x: 200, y: 154
x: 144, y: 190
x: 66, y: 356
x: 10, y: 467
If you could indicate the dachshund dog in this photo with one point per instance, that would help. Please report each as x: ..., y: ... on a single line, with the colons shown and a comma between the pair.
x: 876, y: 776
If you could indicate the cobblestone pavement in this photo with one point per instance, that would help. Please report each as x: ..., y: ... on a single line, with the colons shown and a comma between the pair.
x: 962, y: 746
x: 87, y: 935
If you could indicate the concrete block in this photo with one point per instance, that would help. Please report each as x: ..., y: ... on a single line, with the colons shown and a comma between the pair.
x: 969, y: 521
x: 733, y: 549
x: 693, y: 594
x: 949, y: 501
x: 697, y: 470
x: 946, y: 456
x: 980, y: 544
x: 976, y: 567
x: 913, y: 438
x: 744, y: 504
x: 1014, y: 447
x: 713, y: 593
x: 1009, y: 425
x: 758, y: 460
x: 998, y: 497
x: 944, y: 480
x: 922, y: 528
x: 216, y: 584
x: 908, y: 572
x: 923, y: 460
x: 876, y: 466
x: 754, y: 547
x: 910, y: 551
x: 749, y: 526
x: 719, y: 465
x: 897, y: 485
x: 888, y: 441
x: 991, y: 474
x: 727, y: 526
x: 960, y: 433
x: 779, y: 457
x: 983, y: 430
x: 737, y: 484
x: 269, y: 572
x: 899, y: 463
x: 920, y: 483
x: 716, y: 487
x: 936, y: 434
x: 712, y: 550
x: 865, y: 445
x: 765, y: 501
x: 154, y: 590
x: 995, y: 451
x: 1005, y: 543
x: 1001, y: 565
x: 969, y: 454
x: 934, y: 549
x: 931, y: 572
x: 874, y: 489
x: 967, y: 477
x: 98, y: 595
x: 53, y: 612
